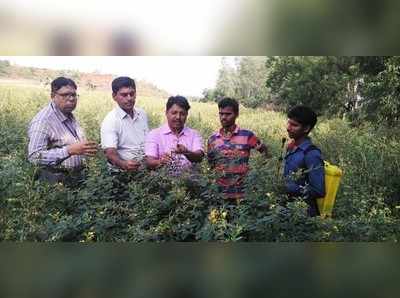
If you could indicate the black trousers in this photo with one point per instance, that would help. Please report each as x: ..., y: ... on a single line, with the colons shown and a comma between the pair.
x: 312, y: 207
x: 68, y: 177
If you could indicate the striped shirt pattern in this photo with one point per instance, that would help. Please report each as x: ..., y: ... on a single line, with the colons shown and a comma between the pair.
x: 49, y: 132
x: 229, y: 155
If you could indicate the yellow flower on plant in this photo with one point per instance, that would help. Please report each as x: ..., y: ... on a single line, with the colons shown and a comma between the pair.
x: 213, y: 216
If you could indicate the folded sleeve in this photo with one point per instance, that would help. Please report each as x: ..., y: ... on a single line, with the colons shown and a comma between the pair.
x: 151, y: 145
x: 253, y: 140
x: 108, y: 134
x: 197, y: 144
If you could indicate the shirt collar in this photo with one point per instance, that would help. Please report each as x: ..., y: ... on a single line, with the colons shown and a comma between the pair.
x: 60, y: 115
x: 122, y: 114
x: 304, y: 145
x: 165, y: 129
x: 235, y: 132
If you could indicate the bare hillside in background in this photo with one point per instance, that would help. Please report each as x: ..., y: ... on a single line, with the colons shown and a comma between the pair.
x: 91, y: 81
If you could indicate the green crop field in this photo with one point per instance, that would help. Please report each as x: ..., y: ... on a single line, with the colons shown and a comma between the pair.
x: 151, y: 206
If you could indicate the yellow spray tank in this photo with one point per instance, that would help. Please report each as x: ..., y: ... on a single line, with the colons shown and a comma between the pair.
x: 333, y: 174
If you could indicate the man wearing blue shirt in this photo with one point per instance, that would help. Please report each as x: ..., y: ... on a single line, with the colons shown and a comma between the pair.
x: 302, y: 155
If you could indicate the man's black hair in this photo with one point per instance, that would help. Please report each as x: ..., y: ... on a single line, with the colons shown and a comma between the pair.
x: 229, y: 102
x: 60, y: 82
x: 121, y: 82
x: 304, y: 115
x: 178, y: 100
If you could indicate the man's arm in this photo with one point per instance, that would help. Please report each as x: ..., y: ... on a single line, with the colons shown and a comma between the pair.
x: 154, y: 162
x: 38, y: 152
x: 196, y: 153
x: 256, y: 143
x: 113, y: 158
x: 293, y: 188
x: 192, y: 156
x: 263, y: 149
x: 316, y: 174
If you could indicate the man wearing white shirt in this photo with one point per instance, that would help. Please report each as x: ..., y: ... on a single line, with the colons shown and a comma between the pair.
x: 124, y: 129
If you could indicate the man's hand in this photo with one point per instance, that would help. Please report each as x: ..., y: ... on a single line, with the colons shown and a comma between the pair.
x: 262, y: 148
x: 181, y: 149
x: 130, y: 165
x: 87, y: 148
x: 165, y: 159
x: 126, y: 165
x: 192, y: 156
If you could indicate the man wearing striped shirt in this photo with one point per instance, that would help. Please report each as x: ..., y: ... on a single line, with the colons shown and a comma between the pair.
x: 229, y: 150
x: 57, y: 143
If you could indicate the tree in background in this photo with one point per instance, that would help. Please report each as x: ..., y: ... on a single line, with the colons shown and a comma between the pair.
x: 358, y: 88
x: 4, y: 67
x: 226, y: 82
x: 326, y: 84
x: 251, y: 90
x: 245, y: 81
x: 381, y: 92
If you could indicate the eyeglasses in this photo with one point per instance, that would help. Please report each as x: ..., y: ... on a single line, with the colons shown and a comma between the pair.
x: 68, y: 95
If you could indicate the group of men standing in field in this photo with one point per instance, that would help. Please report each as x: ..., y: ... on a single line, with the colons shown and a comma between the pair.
x: 58, y: 144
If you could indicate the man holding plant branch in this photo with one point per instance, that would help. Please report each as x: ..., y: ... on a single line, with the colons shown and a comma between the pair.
x: 173, y: 144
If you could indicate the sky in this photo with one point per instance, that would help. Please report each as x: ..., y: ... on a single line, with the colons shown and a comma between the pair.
x: 185, y: 75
